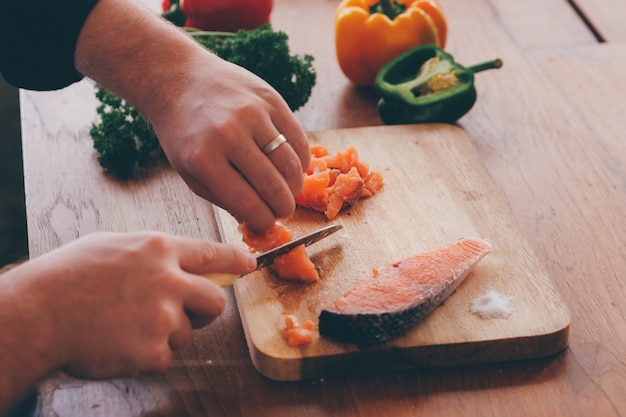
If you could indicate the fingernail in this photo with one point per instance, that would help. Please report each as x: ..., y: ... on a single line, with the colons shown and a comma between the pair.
x: 251, y: 259
x: 252, y: 262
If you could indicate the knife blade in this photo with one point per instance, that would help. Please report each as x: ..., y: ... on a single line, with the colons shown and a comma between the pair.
x: 267, y: 258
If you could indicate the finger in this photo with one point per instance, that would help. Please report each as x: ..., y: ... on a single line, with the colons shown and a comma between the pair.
x: 181, y: 334
x: 288, y: 125
x: 204, y: 303
x: 290, y: 159
x: 203, y: 300
x: 205, y: 192
x: 199, y: 322
x: 275, y: 174
x: 202, y: 256
x: 284, y: 120
x: 288, y: 163
x: 245, y: 205
x: 267, y: 179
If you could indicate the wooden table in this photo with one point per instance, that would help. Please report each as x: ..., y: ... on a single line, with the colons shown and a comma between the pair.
x: 549, y: 129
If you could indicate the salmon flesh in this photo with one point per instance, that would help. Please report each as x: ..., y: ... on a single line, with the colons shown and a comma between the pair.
x: 400, y: 295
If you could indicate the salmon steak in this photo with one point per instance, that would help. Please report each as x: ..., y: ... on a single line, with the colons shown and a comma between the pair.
x: 400, y: 295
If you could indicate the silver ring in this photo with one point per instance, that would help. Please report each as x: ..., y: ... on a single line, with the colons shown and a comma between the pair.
x: 275, y: 143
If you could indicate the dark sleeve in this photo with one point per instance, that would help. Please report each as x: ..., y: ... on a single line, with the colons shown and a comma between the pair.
x: 38, y: 39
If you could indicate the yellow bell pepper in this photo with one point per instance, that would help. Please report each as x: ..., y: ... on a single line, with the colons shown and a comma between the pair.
x: 369, y: 33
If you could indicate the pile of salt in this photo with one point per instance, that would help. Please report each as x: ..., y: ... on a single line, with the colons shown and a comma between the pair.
x: 492, y: 305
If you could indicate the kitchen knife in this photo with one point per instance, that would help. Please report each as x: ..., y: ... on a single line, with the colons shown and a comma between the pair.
x: 267, y: 258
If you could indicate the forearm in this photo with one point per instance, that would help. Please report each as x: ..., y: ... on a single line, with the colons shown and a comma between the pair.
x: 135, y: 53
x: 26, y: 352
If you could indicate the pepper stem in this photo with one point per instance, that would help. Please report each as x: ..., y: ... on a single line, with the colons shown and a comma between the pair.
x: 389, y: 8
x: 493, y: 64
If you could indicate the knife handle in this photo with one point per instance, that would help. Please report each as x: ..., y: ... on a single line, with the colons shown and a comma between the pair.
x: 222, y: 279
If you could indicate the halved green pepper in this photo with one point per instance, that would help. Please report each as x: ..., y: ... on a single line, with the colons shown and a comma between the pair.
x: 426, y: 85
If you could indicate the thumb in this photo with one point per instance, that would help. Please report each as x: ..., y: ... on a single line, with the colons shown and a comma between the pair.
x: 201, y: 257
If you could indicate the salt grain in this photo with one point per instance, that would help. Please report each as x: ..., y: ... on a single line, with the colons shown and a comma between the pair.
x: 492, y: 305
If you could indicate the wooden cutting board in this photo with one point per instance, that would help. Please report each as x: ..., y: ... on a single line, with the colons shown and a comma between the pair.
x: 436, y: 191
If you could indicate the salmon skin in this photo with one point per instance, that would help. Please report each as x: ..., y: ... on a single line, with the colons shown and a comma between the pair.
x: 400, y: 295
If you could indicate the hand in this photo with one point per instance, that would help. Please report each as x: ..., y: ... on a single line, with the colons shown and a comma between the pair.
x: 212, y: 117
x: 112, y: 305
x: 213, y: 134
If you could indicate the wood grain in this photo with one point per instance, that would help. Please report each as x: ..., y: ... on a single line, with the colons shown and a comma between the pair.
x: 435, y: 192
x: 548, y: 128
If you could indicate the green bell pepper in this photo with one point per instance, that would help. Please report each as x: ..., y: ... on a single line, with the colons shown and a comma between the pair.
x: 426, y: 85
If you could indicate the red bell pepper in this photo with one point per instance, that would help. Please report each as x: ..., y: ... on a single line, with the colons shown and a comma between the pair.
x: 226, y: 15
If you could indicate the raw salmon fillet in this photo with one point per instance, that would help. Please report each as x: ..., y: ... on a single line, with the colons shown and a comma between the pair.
x: 401, y: 294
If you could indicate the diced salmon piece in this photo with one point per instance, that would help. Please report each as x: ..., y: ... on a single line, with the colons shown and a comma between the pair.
x: 318, y: 151
x: 346, y: 190
x: 338, y: 161
x: 294, y: 265
x: 317, y: 165
x: 313, y: 193
x: 275, y: 236
x: 326, y: 170
x: 373, y: 183
x: 296, y: 334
